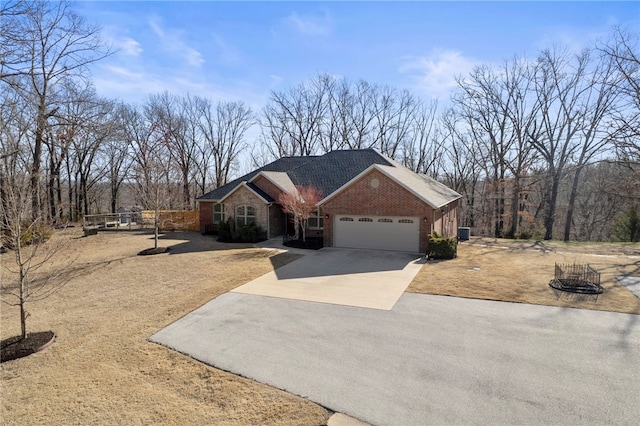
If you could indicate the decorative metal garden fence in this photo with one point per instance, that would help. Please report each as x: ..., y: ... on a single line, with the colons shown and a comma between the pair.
x: 576, y: 278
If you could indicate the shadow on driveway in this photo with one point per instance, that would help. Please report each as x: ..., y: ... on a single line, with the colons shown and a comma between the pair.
x: 331, y: 262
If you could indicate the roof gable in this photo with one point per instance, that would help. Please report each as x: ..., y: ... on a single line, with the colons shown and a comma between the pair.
x: 423, y: 187
x: 280, y: 179
x: 252, y: 188
x: 282, y: 165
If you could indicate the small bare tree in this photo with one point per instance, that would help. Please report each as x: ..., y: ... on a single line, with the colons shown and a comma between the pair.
x: 300, y: 205
x: 26, y: 237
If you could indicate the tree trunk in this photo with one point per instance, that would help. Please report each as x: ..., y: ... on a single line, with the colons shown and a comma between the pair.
x: 551, y: 207
x: 515, y: 207
x: 59, y: 196
x: 572, y: 200
x: 186, y: 191
x: 35, y: 168
x: 51, y: 188
x: 23, y: 290
x: 114, y: 197
x: 85, y: 197
x: 156, y: 216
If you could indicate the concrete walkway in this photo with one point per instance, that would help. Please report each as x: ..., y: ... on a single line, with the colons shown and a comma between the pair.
x: 363, y: 278
x: 429, y: 360
x: 631, y: 283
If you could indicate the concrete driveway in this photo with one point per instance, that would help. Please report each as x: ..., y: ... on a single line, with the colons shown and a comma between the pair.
x: 429, y: 360
x: 363, y: 278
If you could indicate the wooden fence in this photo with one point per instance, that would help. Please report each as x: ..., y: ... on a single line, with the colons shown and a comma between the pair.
x: 174, y: 220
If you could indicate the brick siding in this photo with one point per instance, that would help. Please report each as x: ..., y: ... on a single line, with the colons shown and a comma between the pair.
x: 244, y: 196
x: 388, y: 199
x: 206, y: 215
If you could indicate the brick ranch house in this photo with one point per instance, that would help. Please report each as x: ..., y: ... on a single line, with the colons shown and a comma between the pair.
x: 370, y: 201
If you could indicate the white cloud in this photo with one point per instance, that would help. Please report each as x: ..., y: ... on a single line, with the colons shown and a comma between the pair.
x: 194, y: 58
x: 435, y: 73
x: 275, y: 80
x: 130, y: 47
x: 113, y: 36
x: 173, y: 41
x: 310, y: 25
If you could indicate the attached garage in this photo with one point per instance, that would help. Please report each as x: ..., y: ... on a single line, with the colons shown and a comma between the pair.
x: 397, y: 233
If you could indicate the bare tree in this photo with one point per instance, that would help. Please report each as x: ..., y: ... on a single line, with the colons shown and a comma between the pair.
x: 55, y: 45
x: 422, y: 150
x: 139, y: 131
x: 117, y: 151
x: 300, y: 205
x: 393, y: 113
x: 622, y: 49
x: 152, y: 189
x: 460, y: 169
x: 224, y: 128
x: 559, y: 87
x: 25, y: 236
x: 597, y: 106
x: 292, y: 121
x: 170, y: 120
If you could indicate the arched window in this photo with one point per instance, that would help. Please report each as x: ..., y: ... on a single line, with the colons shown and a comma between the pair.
x: 245, y: 215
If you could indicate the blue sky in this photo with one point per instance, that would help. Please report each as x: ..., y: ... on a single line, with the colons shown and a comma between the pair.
x: 243, y: 50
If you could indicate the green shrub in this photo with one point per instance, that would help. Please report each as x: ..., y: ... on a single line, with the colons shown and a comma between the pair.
x: 224, y: 231
x: 230, y: 233
x: 627, y: 228
x: 442, y: 248
x: 247, y: 233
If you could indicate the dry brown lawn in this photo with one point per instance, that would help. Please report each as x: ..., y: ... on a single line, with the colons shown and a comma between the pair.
x: 520, y: 271
x: 102, y: 369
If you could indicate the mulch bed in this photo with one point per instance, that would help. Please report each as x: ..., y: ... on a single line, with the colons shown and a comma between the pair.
x: 311, y: 243
x: 15, y: 347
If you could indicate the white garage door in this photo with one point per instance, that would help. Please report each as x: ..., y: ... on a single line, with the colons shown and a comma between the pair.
x: 377, y: 232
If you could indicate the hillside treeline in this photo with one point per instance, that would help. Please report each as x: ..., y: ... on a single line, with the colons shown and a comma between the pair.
x: 539, y: 147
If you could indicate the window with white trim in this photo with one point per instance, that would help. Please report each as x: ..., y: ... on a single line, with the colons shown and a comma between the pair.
x: 316, y: 221
x: 245, y: 215
x: 218, y: 213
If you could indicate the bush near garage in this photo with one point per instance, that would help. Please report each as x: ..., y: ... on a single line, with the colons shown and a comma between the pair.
x: 442, y: 248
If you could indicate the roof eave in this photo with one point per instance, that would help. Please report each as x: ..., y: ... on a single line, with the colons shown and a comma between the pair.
x: 244, y: 183
x: 393, y: 178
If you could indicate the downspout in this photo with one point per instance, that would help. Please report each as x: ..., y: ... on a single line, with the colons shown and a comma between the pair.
x: 269, y: 220
x: 433, y: 221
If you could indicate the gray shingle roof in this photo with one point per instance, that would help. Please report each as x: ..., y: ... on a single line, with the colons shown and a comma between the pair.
x: 428, y: 189
x: 333, y: 170
x: 261, y: 193
x: 282, y: 165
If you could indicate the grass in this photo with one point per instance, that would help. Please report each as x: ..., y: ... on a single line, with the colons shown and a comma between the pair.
x: 102, y: 369
x: 520, y: 271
